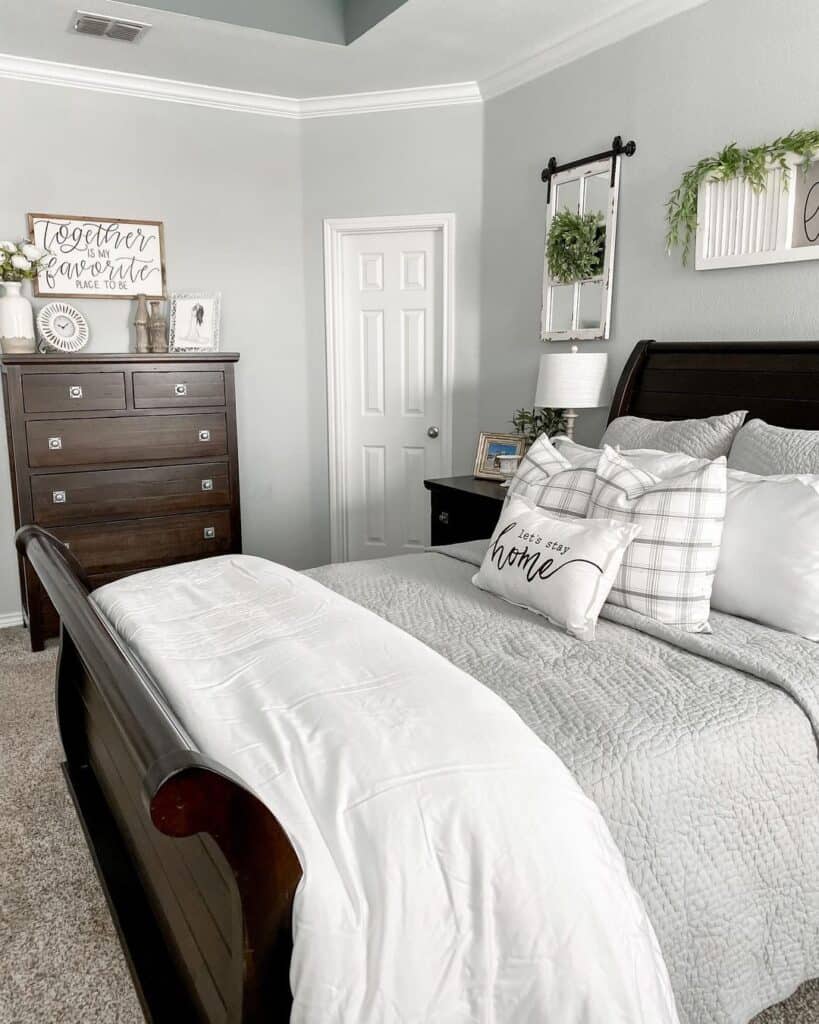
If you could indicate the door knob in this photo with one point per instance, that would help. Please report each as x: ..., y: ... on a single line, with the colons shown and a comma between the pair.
x: 433, y: 432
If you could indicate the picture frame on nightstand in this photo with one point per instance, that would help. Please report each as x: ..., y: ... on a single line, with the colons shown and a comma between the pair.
x: 491, y: 449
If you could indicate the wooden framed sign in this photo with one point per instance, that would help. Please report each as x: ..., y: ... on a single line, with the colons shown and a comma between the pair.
x: 98, y: 257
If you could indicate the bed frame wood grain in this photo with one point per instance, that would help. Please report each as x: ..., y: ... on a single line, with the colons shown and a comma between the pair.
x: 199, y: 876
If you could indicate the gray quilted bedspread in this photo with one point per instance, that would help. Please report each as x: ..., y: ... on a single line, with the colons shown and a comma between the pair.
x: 700, y: 751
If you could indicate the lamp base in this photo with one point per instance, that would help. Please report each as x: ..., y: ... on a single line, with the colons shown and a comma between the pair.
x: 571, y: 416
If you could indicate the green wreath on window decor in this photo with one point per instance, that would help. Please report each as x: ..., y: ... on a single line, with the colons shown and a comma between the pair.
x: 576, y: 246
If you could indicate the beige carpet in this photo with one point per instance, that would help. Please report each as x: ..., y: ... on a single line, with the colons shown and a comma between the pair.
x: 59, y: 956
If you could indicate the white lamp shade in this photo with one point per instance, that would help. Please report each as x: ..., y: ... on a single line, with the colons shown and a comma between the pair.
x: 572, y: 380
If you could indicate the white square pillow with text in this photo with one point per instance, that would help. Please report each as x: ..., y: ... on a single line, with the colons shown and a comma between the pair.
x: 562, y: 569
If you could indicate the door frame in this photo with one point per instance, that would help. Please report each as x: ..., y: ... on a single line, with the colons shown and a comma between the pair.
x: 335, y: 231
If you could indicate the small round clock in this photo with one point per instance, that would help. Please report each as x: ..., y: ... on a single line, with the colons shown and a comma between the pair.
x: 62, y: 327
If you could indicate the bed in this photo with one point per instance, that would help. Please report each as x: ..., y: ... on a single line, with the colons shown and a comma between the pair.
x: 700, y: 751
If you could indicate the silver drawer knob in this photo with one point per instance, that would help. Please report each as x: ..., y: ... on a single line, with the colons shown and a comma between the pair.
x: 75, y: 391
x: 58, y: 497
x: 55, y: 443
x: 207, y: 485
x: 443, y: 517
x: 210, y: 532
x: 204, y: 435
x: 180, y: 389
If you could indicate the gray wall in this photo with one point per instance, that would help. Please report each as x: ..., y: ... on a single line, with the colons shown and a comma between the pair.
x: 228, y: 187
x: 412, y: 161
x: 239, y: 196
x: 724, y: 71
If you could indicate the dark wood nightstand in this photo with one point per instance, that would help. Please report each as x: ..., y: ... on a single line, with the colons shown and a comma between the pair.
x: 464, y: 508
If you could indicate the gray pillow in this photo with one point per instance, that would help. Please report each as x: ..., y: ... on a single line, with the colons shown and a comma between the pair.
x: 768, y: 451
x: 701, y: 439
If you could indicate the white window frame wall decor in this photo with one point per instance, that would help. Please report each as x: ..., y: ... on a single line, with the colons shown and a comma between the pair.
x: 738, y: 226
x: 556, y: 177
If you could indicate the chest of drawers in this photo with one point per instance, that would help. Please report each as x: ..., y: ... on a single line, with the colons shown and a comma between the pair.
x: 130, y: 459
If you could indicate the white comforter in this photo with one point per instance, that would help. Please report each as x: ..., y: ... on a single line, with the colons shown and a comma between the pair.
x: 454, y: 871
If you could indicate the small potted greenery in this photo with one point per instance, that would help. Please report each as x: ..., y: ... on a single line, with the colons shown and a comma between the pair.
x: 576, y: 246
x: 531, y: 423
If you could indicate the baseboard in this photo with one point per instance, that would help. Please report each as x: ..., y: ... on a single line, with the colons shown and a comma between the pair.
x: 10, y: 619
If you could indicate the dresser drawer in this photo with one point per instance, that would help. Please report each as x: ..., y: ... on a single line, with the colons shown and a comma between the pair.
x: 73, y: 392
x: 125, y: 439
x: 161, y: 390
x: 125, y: 493
x: 143, y: 543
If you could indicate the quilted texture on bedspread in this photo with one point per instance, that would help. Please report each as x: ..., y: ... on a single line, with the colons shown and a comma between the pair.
x: 705, y: 770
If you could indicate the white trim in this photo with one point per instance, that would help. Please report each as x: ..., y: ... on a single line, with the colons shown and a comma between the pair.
x: 596, y: 34
x: 119, y: 83
x: 334, y: 232
x: 10, y: 619
x: 391, y: 99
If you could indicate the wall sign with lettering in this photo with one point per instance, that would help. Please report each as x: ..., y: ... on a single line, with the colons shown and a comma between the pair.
x: 739, y: 226
x: 99, y: 258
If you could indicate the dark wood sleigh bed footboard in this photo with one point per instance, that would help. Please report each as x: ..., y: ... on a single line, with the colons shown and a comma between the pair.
x: 198, y: 874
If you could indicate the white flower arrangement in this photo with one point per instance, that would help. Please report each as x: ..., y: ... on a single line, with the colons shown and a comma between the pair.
x: 21, y: 261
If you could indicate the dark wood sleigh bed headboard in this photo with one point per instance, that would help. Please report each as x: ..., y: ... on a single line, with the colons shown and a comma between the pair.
x: 775, y: 381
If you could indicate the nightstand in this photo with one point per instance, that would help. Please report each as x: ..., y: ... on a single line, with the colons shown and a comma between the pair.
x: 464, y: 508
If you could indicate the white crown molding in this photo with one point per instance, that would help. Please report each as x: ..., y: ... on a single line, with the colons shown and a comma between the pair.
x: 119, y: 83
x: 597, y: 34
x: 9, y: 619
x: 27, y: 69
x: 391, y: 99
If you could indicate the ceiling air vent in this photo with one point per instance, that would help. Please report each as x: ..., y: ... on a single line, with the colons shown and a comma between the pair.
x: 109, y: 28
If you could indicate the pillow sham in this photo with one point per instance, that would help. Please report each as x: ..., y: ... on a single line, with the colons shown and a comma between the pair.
x: 558, y: 475
x: 650, y: 459
x: 548, y: 480
x: 558, y: 569
x: 702, y: 439
x: 668, y: 572
x: 769, y: 563
x: 766, y: 450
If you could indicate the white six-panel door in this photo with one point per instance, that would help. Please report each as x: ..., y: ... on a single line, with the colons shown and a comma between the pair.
x: 392, y: 415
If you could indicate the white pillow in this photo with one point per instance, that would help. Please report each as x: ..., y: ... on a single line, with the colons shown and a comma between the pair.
x: 668, y: 572
x: 558, y: 475
x: 702, y: 439
x: 769, y: 564
x: 761, y: 448
x: 557, y: 568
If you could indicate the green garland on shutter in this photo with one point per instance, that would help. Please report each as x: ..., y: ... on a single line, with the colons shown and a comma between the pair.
x: 731, y: 162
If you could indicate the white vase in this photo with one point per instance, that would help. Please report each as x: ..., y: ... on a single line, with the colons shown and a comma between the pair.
x: 16, y: 320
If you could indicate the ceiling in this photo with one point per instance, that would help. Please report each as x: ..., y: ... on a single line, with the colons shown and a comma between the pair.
x: 328, y: 21
x: 418, y: 43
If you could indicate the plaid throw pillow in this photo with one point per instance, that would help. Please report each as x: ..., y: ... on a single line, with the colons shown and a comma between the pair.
x: 668, y: 571
x: 553, y: 483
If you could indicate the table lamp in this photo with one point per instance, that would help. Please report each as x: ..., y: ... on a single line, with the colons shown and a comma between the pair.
x: 571, y: 381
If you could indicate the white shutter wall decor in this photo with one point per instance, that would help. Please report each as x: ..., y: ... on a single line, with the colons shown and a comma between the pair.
x: 739, y: 226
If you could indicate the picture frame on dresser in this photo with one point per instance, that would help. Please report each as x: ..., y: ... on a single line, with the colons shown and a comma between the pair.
x: 129, y: 459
